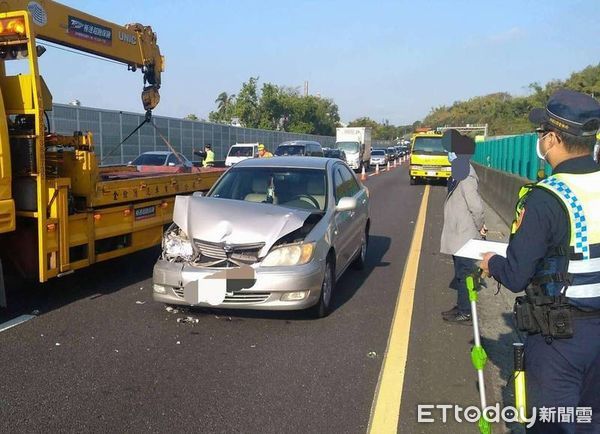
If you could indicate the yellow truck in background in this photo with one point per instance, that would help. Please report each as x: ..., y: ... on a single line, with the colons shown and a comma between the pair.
x: 428, y: 158
x: 59, y: 210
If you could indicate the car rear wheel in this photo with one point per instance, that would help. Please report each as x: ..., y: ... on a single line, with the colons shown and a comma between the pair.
x: 359, y: 262
x: 323, y: 307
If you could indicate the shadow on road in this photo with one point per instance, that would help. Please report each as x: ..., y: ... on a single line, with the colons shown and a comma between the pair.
x: 500, y: 353
x: 100, y: 279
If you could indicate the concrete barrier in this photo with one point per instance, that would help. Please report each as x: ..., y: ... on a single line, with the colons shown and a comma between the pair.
x: 500, y: 190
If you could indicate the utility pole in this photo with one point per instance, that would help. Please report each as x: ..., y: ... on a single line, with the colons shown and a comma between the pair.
x: 305, y: 87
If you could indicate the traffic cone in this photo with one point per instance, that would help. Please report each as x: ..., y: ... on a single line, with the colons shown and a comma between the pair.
x: 363, y: 175
x: 388, y: 166
x: 377, y: 169
x: 394, y: 163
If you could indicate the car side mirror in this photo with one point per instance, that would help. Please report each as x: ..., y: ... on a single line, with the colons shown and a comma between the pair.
x: 346, y: 204
x: 129, y: 163
x: 171, y: 164
x: 198, y: 194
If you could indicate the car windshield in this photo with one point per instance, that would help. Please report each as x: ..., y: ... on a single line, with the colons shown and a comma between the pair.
x: 347, y: 146
x: 390, y: 151
x: 290, y: 150
x: 429, y: 145
x: 240, y: 151
x: 332, y: 153
x: 378, y: 152
x: 289, y: 187
x: 150, y: 160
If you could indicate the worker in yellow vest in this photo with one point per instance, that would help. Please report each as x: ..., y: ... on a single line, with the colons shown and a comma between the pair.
x: 209, y: 160
x: 263, y: 152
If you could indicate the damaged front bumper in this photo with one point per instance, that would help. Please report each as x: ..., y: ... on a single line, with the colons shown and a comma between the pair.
x: 276, y: 288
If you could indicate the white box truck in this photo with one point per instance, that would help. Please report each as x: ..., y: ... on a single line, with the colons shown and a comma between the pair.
x: 356, y: 144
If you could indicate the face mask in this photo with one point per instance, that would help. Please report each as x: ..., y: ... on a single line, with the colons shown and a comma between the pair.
x: 452, y: 156
x: 539, y: 151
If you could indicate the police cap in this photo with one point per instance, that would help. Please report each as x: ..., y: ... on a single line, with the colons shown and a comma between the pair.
x: 573, y: 112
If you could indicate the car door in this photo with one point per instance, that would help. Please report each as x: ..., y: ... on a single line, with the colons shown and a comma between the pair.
x: 342, y: 230
x: 173, y: 160
x: 358, y: 217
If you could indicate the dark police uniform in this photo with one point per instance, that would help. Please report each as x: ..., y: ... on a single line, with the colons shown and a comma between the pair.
x: 555, y: 247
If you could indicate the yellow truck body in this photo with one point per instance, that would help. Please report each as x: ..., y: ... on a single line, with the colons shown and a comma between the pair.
x: 60, y: 211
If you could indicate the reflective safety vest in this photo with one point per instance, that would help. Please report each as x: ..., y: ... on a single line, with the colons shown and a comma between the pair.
x: 210, y: 158
x: 574, y: 270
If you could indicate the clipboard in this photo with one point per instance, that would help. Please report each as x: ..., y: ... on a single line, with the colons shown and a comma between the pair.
x: 474, y: 249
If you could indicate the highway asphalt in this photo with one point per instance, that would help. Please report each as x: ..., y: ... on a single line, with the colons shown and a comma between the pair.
x: 102, y: 356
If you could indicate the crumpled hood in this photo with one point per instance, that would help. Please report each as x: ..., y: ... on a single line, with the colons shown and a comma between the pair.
x: 235, y: 221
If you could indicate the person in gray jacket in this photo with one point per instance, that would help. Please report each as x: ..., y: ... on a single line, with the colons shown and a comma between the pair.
x: 463, y: 219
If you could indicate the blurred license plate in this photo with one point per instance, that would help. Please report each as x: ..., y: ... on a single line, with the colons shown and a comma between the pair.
x: 145, y: 213
x: 431, y: 173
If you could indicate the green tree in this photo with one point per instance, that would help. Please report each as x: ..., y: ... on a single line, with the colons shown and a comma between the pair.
x: 507, y: 114
x: 192, y: 117
x: 246, y: 106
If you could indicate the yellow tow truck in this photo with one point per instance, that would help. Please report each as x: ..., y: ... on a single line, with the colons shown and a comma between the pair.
x: 428, y: 158
x: 59, y: 210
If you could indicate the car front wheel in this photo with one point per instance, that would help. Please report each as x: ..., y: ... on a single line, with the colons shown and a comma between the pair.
x: 323, y: 307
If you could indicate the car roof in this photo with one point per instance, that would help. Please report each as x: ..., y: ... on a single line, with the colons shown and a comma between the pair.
x: 237, y: 145
x: 157, y: 153
x: 293, y: 162
x: 299, y: 142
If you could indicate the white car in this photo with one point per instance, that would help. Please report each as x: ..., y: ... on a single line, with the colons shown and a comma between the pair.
x: 240, y: 152
x: 378, y: 156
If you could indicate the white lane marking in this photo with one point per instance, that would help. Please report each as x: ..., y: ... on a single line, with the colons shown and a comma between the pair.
x: 15, y: 322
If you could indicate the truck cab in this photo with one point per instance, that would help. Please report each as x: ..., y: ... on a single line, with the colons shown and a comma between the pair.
x: 428, y: 158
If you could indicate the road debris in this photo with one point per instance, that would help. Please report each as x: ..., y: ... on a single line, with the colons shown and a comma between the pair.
x: 140, y: 302
x: 188, y: 319
x: 57, y: 344
x: 170, y: 309
x: 35, y: 312
x: 178, y: 343
x: 372, y: 355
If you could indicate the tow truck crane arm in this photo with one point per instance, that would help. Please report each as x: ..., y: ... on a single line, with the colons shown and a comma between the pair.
x: 133, y: 44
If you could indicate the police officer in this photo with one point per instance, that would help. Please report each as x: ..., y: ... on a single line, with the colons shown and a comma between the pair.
x: 554, y: 255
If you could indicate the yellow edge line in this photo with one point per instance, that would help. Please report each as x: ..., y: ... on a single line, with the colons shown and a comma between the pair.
x: 385, y: 411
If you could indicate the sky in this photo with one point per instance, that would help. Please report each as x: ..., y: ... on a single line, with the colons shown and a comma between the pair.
x: 392, y: 60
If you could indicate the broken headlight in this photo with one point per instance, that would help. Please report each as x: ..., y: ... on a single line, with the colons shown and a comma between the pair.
x: 176, y: 245
x: 292, y: 254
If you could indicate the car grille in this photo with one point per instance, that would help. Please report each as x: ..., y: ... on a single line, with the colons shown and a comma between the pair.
x: 226, y: 255
x: 237, y: 297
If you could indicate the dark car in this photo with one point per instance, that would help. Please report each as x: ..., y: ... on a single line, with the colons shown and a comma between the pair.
x: 334, y: 153
x: 299, y: 148
x: 391, y: 153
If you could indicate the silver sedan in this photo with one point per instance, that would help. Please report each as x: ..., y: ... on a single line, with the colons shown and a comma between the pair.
x: 274, y: 233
